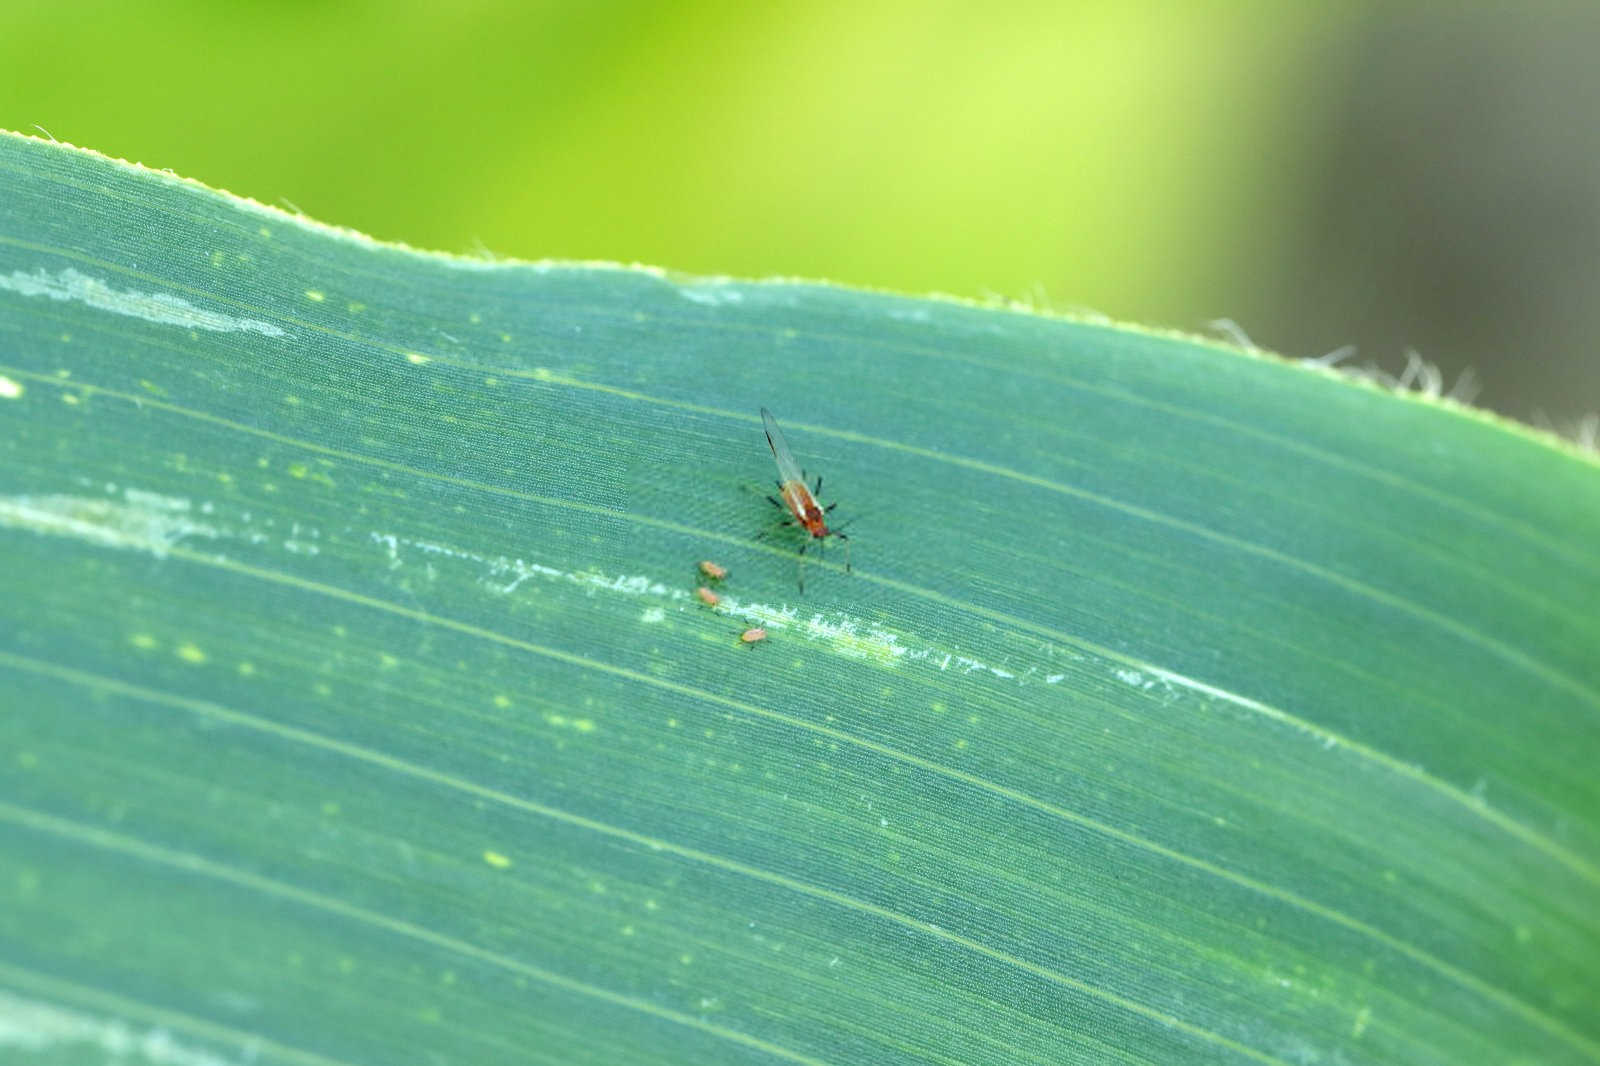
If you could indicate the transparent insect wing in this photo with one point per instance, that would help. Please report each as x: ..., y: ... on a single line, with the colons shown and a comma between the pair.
x: 788, y: 469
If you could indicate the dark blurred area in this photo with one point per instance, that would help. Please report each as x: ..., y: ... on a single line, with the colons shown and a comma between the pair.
x: 1456, y: 210
x: 1395, y: 177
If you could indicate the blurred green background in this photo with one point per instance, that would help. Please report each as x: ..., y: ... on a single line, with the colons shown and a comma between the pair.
x: 1384, y: 175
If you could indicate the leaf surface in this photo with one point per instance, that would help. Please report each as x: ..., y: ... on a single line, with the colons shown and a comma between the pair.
x: 1181, y: 705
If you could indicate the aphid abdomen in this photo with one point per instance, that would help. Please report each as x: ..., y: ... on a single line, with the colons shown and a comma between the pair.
x: 798, y: 499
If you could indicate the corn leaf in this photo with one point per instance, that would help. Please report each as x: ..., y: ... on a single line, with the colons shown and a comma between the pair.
x: 1177, y: 704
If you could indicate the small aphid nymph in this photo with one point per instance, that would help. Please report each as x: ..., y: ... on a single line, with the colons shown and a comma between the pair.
x: 712, y: 571
x: 799, y: 498
x: 754, y: 635
x: 707, y: 597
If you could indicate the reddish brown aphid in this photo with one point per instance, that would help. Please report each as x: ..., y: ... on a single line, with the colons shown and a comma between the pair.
x: 712, y: 570
x: 707, y: 597
x: 751, y: 636
x: 800, y: 499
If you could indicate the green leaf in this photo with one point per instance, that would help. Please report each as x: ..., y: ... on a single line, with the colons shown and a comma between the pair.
x: 1180, y: 705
